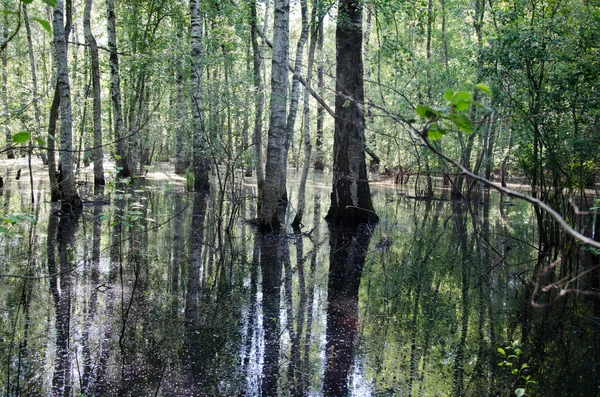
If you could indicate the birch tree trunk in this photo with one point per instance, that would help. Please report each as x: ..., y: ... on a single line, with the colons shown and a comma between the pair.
x: 115, y: 92
x: 275, y: 170
x: 259, y: 96
x: 351, y: 196
x: 201, y: 182
x: 97, y: 154
x: 306, y: 133
x: 294, y: 95
x: 69, y: 196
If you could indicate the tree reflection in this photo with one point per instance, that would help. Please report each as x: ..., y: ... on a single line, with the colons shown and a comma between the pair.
x: 347, y: 258
x: 60, y: 287
x: 272, y: 254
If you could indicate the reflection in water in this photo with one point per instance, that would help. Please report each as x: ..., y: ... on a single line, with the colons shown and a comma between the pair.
x: 60, y: 287
x: 165, y: 293
x: 348, y: 250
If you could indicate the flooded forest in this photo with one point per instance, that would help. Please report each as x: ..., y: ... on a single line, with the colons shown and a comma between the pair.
x: 300, y: 198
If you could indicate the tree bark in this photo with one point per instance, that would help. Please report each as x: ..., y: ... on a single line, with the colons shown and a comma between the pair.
x: 69, y: 196
x: 93, y: 46
x: 10, y: 154
x: 201, y: 182
x: 275, y: 170
x: 307, y: 144
x: 259, y: 96
x: 319, y: 162
x: 351, y: 196
x: 180, y: 137
x: 115, y: 92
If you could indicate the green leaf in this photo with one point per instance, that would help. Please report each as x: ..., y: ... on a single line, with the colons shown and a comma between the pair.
x: 21, y: 137
x: 448, y: 95
x: 40, y: 141
x: 518, y: 351
x: 3, y: 230
x: 501, y: 351
x: 462, y: 105
x: 9, y: 12
x: 483, y: 88
x: 45, y: 24
x: 461, y: 121
x: 524, y: 366
x: 51, y: 3
x: 346, y: 104
x: 435, y: 132
x: 117, y: 157
x: 27, y: 1
x: 520, y: 392
x: 461, y: 95
x: 426, y: 112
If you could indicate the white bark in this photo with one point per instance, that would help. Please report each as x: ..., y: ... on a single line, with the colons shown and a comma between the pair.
x: 67, y: 184
x: 306, y: 132
x: 91, y: 42
x: 275, y: 170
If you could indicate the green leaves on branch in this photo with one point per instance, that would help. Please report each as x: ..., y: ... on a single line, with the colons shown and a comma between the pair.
x: 441, y: 120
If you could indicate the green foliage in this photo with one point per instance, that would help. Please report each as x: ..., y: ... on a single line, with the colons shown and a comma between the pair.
x: 514, y: 363
x: 441, y: 120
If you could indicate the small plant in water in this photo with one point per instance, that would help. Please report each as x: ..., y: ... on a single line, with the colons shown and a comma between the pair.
x: 517, y: 368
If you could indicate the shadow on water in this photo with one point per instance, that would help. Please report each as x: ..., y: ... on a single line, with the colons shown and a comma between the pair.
x: 155, y: 292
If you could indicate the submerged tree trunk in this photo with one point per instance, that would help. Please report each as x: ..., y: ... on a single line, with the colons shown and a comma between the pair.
x: 201, y: 182
x: 115, y: 92
x: 275, y: 170
x: 69, y: 196
x: 91, y: 42
x: 351, y: 196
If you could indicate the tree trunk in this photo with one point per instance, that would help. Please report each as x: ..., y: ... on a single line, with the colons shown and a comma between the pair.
x: 275, y: 170
x: 259, y: 99
x: 180, y: 137
x: 294, y: 95
x: 91, y: 42
x: 307, y: 144
x: 201, y: 182
x: 9, y: 152
x: 115, y: 92
x: 69, y: 196
x: 351, y: 196
x: 34, y: 83
x: 319, y: 162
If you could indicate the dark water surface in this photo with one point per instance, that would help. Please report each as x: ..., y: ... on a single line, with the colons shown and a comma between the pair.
x: 154, y: 291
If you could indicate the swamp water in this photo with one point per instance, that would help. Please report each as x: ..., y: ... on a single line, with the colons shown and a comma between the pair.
x: 155, y: 292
